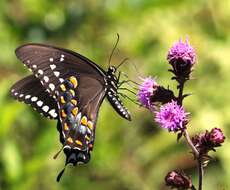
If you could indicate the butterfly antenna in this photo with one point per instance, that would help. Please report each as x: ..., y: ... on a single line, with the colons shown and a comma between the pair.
x: 135, y: 67
x: 123, y: 61
x: 115, y: 46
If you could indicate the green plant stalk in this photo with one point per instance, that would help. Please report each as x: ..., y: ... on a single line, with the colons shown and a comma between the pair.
x: 187, y: 137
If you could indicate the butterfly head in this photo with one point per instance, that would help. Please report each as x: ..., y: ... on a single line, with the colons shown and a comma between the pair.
x: 112, y: 70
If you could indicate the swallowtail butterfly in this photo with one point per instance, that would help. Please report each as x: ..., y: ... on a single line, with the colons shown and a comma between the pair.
x: 70, y: 88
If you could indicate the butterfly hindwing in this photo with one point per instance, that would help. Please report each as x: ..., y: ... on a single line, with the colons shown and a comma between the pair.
x: 30, y: 91
x: 53, y: 65
x: 78, y: 109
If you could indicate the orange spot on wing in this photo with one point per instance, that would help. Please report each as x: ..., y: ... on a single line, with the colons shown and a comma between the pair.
x: 72, y: 92
x: 73, y: 80
x: 66, y: 127
x: 75, y: 111
x: 74, y: 102
x: 63, y: 114
x: 78, y: 142
x: 87, y: 137
x: 90, y: 125
x: 84, y: 120
x: 62, y: 100
x: 63, y: 88
x: 70, y: 140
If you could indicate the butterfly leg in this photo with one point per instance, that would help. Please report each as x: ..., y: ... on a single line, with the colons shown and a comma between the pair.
x: 128, y: 83
x: 132, y: 100
x: 127, y: 90
x: 119, y: 75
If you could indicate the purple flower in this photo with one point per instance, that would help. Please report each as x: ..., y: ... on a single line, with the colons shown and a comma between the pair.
x: 146, y: 91
x: 182, y: 57
x: 172, y: 117
x: 176, y: 179
x: 181, y: 50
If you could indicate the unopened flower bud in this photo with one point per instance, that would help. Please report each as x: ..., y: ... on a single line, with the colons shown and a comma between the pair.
x: 207, y: 141
x: 176, y: 179
x: 216, y: 136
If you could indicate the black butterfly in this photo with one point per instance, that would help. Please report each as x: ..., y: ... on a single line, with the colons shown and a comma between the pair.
x: 70, y: 88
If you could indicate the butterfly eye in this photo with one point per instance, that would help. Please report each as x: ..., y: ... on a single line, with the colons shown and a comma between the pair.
x: 112, y: 70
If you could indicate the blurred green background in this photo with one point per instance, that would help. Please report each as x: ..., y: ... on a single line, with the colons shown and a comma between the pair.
x: 127, y: 155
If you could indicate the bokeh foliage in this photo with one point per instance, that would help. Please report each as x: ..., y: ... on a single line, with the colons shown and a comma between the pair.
x: 128, y: 155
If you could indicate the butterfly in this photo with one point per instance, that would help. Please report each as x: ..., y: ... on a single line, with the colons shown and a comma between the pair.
x: 70, y: 88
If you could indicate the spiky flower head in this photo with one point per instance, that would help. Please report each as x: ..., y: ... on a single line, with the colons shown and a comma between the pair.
x: 179, y: 180
x: 207, y: 141
x: 146, y: 91
x: 172, y: 116
x: 182, y: 57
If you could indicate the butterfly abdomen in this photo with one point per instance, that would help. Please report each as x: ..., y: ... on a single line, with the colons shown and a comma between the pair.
x: 117, y: 104
x: 112, y: 93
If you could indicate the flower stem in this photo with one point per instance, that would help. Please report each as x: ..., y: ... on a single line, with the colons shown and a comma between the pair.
x: 188, y: 139
x: 180, y: 94
x: 198, y: 158
x: 193, y: 188
x: 201, y: 172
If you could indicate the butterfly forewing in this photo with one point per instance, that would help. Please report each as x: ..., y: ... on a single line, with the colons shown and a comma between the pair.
x: 30, y: 91
x: 53, y: 65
